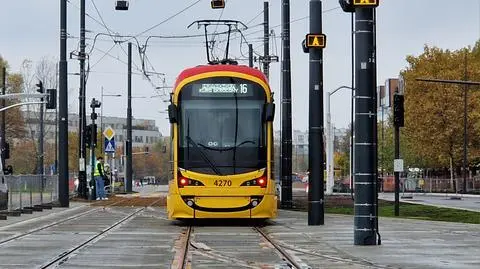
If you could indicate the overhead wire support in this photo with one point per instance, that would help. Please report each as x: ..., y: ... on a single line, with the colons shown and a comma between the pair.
x: 229, y: 24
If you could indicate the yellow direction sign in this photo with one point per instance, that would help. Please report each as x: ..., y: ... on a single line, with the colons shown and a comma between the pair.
x: 109, y: 133
x: 365, y: 3
x: 316, y: 41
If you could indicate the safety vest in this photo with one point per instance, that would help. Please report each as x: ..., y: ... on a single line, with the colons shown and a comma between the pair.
x: 96, y: 173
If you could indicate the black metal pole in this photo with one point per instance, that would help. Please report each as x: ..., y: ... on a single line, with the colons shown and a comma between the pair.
x: 250, y: 55
x: 56, y: 128
x: 82, y: 123
x: 63, y: 110
x: 397, y: 174
x: 129, y: 121
x: 3, y: 138
x: 40, y: 170
x: 365, y: 162
x: 352, y: 122
x: 286, y: 151
x: 315, y: 129
x: 266, y: 39
x: 93, y: 138
x: 375, y: 129
x: 465, y: 135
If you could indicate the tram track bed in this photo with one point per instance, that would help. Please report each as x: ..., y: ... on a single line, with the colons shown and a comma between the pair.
x: 142, y: 237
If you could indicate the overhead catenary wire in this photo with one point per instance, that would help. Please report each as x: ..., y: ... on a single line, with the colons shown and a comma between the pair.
x: 168, y: 19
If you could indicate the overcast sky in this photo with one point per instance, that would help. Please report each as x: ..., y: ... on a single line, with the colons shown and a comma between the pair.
x: 30, y: 30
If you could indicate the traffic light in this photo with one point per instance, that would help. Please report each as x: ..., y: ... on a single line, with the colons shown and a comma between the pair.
x: 6, y: 151
x: 95, y: 103
x: 218, y: 4
x: 93, y: 128
x: 121, y: 5
x: 398, y: 110
x: 40, y: 86
x: 347, y: 5
x: 51, y: 99
x: 88, y: 136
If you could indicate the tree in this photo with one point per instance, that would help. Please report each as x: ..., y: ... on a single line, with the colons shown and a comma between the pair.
x: 45, y: 71
x: 434, y: 111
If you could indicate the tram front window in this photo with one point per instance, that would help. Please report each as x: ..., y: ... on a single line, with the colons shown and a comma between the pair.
x: 221, y: 134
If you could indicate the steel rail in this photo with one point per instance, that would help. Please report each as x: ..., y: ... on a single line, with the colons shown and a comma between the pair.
x: 283, y: 253
x: 65, y: 255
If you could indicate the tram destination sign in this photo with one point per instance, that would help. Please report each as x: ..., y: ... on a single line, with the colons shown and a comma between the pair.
x: 222, y: 90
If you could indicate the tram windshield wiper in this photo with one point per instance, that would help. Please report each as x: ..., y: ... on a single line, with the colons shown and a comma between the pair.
x: 227, y: 148
x: 204, y: 156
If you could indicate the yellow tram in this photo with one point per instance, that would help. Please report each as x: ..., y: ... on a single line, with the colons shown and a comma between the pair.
x: 222, y: 144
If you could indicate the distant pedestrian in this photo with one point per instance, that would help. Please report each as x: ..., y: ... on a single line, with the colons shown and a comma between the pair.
x: 99, y: 175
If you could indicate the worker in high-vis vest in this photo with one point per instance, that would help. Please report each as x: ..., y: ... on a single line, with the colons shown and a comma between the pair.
x: 99, y: 175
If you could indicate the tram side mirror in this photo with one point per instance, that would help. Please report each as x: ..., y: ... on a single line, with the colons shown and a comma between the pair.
x: 172, y: 113
x: 269, y: 111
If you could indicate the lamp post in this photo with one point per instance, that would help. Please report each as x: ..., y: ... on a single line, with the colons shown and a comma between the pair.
x: 101, y: 114
x: 329, y: 144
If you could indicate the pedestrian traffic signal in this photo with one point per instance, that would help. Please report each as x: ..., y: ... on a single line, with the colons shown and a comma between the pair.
x: 315, y: 41
x: 398, y: 110
x: 51, y: 99
x: 40, y: 86
x: 218, y: 4
x: 365, y: 3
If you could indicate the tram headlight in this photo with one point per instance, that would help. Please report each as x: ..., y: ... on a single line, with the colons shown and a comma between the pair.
x: 260, y: 182
x: 183, y: 181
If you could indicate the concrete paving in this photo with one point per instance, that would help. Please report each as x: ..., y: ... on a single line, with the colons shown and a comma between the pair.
x: 459, y: 201
x: 405, y: 243
x: 148, y: 240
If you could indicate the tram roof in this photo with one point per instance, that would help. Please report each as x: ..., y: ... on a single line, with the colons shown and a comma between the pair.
x: 200, y: 69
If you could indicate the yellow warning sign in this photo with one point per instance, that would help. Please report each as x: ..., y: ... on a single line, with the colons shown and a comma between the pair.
x: 365, y: 3
x: 109, y: 133
x: 316, y: 40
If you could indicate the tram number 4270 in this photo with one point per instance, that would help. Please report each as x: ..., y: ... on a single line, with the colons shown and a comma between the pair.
x: 222, y: 183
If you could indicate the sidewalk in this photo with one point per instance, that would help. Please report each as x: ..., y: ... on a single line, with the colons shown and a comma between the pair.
x: 462, y: 202
x: 406, y: 243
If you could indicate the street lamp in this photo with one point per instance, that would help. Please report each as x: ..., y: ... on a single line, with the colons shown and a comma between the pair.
x: 101, y: 114
x: 329, y: 145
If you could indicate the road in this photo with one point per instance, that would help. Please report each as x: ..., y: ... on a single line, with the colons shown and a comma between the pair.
x: 467, y: 203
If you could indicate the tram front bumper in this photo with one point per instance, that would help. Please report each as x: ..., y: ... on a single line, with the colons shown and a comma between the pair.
x: 188, y: 207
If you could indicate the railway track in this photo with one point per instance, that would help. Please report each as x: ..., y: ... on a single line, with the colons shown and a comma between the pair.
x: 183, y: 261
x: 63, y: 257
x: 281, y: 250
x: 52, y: 224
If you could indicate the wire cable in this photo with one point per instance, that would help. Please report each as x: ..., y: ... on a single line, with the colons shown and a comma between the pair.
x: 167, y: 19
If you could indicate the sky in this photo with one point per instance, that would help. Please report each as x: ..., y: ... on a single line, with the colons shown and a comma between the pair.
x: 30, y: 30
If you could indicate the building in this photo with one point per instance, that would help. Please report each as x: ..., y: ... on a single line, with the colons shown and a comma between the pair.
x: 144, y: 132
x: 385, y: 98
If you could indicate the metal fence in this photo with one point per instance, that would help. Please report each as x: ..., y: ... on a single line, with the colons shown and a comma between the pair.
x: 30, y: 190
x: 434, y: 185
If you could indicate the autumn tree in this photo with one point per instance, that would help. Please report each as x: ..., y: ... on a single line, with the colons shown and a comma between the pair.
x: 434, y: 112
